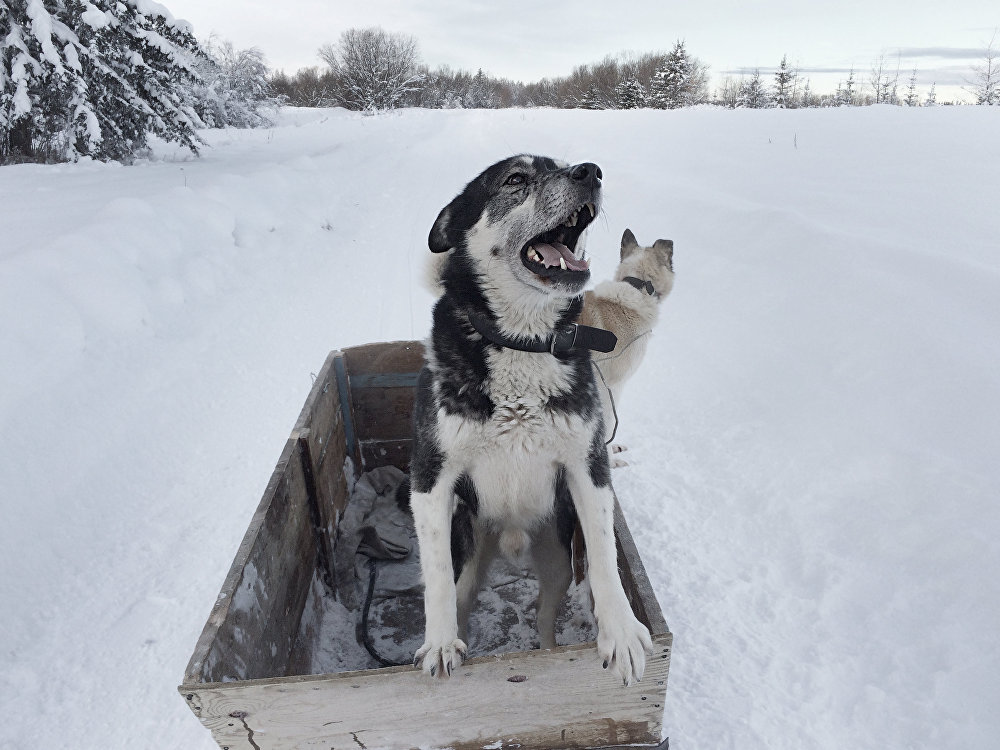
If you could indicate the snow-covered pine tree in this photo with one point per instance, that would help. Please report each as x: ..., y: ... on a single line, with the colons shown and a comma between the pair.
x: 629, y: 93
x: 481, y: 93
x: 593, y: 99
x: 912, y: 100
x: 985, y: 86
x: 931, y: 99
x: 808, y: 98
x: 93, y: 78
x: 753, y: 94
x: 784, y: 85
x: 846, y: 95
x: 671, y: 81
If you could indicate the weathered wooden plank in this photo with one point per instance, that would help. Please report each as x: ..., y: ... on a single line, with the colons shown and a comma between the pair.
x: 383, y: 387
x: 375, y: 453
x: 561, y: 698
x: 634, y: 579
x: 319, y: 432
x: 385, y: 358
x: 252, y: 628
x: 383, y: 413
x: 346, y: 409
x: 386, y: 380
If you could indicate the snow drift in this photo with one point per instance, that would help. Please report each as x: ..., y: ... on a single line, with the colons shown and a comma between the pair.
x: 813, y: 435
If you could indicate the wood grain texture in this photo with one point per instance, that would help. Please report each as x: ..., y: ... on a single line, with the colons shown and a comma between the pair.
x: 252, y: 628
x: 382, y: 379
x: 634, y: 579
x: 384, y: 358
x: 564, y: 701
x: 375, y: 453
x: 322, y: 446
x: 383, y: 413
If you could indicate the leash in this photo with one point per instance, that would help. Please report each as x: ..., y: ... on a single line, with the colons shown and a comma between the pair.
x: 366, y: 638
x: 611, y: 396
x: 564, y: 339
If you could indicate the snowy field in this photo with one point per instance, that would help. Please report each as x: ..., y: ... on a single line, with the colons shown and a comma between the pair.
x: 814, y: 435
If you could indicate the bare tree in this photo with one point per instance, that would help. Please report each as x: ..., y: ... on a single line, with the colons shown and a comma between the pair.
x: 728, y: 93
x: 985, y: 85
x: 883, y: 83
x: 376, y: 68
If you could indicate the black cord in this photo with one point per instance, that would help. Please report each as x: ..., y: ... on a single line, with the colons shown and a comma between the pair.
x: 612, y: 397
x: 365, y: 636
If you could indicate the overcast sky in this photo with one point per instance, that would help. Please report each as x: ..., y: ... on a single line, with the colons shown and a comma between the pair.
x: 530, y: 39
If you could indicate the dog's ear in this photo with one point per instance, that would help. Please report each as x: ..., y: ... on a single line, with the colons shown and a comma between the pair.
x: 442, y: 238
x: 629, y: 244
x: 667, y: 248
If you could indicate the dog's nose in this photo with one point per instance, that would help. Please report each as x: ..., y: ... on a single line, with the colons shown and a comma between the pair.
x: 588, y: 171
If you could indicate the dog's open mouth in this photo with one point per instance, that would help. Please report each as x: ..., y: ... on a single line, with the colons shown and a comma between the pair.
x: 553, y: 252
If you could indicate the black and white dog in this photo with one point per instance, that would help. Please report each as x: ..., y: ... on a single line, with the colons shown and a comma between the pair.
x: 509, y: 436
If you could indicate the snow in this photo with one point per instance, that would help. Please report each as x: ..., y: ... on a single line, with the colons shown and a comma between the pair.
x: 812, y: 437
x: 95, y: 17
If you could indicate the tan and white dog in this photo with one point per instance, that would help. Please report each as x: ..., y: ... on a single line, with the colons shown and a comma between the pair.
x: 629, y: 306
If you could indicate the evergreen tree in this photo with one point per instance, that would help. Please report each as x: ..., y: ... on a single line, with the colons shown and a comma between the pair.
x: 753, y: 94
x: 593, y: 100
x: 808, y: 98
x: 985, y: 86
x: 93, y: 79
x: 784, y: 85
x: 931, y: 96
x: 912, y: 100
x: 481, y: 93
x: 629, y: 93
x: 846, y: 95
x: 671, y: 82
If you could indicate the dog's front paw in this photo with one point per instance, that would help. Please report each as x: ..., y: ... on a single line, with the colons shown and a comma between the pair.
x: 440, y: 660
x: 622, y: 643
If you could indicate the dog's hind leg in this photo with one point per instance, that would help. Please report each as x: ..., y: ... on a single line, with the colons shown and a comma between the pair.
x: 474, y: 571
x: 554, y: 570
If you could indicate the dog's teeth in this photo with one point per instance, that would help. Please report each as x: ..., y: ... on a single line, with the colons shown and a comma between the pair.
x: 562, y: 263
x: 590, y: 207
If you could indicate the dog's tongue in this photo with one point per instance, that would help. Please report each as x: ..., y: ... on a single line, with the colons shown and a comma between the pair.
x: 551, y: 253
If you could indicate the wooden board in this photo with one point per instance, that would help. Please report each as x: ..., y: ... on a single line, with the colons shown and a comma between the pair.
x: 253, y: 625
x: 383, y: 379
x: 385, y: 358
x: 320, y: 435
x: 561, y: 699
x: 238, y: 682
x: 636, y: 583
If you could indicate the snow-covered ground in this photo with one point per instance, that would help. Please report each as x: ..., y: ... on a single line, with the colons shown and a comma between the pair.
x: 814, y: 435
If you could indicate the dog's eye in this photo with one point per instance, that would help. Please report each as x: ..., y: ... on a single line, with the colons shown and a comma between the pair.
x: 516, y: 179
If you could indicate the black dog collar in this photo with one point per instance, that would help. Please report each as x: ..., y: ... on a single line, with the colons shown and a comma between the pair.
x: 642, y: 286
x: 563, y: 339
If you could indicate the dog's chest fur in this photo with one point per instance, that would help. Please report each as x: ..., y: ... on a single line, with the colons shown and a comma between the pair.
x: 513, y: 455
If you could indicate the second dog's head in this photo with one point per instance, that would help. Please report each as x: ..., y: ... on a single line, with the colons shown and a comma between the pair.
x: 520, y: 222
x: 653, y: 265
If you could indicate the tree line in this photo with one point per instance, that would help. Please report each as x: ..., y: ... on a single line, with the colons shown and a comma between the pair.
x: 98, y: 78
x: 372, y: 69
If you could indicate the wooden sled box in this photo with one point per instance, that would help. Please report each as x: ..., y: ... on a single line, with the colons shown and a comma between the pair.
x: 247, y: 679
